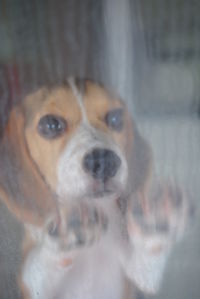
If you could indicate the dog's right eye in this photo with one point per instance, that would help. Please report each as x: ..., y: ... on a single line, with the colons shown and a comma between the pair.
x: 51, y: 126
x: 114, y: 119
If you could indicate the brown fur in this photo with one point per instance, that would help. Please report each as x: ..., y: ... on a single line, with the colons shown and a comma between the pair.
x: 22, y: 187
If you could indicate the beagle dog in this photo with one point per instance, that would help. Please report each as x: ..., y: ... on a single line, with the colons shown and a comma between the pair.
x: 76, y: 172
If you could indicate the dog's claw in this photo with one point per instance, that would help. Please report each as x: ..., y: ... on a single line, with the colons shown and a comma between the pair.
x: 81, y: 226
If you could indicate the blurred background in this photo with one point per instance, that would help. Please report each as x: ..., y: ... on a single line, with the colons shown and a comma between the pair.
x: 149, y: 52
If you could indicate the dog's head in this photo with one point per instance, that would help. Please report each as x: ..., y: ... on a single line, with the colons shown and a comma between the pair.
x: 72, y: 141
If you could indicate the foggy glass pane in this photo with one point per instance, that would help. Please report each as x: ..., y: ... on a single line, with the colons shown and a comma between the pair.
x: 146, y: 52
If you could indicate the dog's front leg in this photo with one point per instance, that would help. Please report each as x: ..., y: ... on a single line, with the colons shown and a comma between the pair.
x: 42, y: 272
x: 155, y: 221
x: 57, y: 248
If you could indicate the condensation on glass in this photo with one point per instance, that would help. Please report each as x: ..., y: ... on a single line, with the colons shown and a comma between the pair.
x: 149, y: 52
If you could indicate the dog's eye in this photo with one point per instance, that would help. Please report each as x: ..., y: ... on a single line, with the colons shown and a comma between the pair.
x: 51, y: 126
x: 114, y: 119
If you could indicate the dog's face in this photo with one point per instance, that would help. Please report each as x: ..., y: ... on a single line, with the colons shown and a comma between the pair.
x: 79, y: 137
x: 69, y: 142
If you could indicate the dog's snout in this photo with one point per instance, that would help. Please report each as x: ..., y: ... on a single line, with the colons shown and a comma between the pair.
x: 102, y: 164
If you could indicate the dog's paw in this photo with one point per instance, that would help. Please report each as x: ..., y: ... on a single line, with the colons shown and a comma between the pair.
x: 78, y: 226
x: 154, y: 223
x: 162, y: 214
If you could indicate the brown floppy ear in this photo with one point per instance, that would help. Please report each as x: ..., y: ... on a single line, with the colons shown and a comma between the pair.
x: 140, y: 159
x: 22, y: 187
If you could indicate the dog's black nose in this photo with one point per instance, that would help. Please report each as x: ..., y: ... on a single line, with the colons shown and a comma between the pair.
x: 102, y: 164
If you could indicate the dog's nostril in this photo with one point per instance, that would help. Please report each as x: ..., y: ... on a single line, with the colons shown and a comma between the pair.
x: 102, y: 164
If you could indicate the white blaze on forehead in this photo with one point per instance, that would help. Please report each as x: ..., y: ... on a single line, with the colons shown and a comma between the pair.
x: 79, y: 97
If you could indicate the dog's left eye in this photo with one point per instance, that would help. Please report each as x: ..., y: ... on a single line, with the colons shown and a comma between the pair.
x: 114, y: 119
x: 51, y: 126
